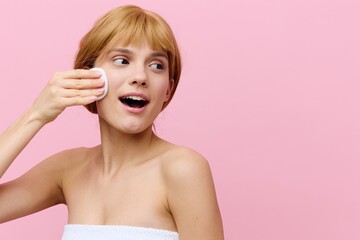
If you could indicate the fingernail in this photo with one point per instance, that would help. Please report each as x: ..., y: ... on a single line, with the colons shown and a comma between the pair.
x: 93, y: 98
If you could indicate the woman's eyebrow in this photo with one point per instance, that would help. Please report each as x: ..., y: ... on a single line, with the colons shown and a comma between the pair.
x: 159, y: 54
x: 127, y: 51
x: 122, y: 50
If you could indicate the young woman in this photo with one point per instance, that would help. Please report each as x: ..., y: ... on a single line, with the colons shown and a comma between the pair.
x: 134, y: 185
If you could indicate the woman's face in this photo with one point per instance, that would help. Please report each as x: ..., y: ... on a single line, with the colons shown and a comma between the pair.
x: 139, y: 85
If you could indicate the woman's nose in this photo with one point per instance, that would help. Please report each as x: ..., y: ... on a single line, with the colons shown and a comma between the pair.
x: 140, y: 76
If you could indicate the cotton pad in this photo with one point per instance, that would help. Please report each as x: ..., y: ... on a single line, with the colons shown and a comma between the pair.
x: 106, y: 86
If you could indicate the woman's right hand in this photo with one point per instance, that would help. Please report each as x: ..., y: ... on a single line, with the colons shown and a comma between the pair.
x: 65, y: 89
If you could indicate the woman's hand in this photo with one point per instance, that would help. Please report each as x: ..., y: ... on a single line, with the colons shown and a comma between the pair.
x: 65, y: 89
x: 69, y: 88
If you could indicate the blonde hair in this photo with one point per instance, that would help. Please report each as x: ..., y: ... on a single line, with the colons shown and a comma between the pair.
x: 130, y: 25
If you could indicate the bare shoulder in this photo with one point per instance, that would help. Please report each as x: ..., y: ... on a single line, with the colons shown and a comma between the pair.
x: 184, y: 168
x: 40, y: 187
x: 182, y: 162
x: 67, y: 158
x: 56, y: 166
x: 191, y: 195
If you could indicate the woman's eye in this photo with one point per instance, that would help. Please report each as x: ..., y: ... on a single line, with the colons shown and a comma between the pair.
x: 121, y: 61
x: 158, y: 66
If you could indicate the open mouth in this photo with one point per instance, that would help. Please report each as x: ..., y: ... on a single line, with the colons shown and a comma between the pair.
x: 134, y: 101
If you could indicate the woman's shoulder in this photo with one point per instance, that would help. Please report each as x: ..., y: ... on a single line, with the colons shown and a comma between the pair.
x: 177, y: 153
x: 181, y: 162
x: 69, y: 158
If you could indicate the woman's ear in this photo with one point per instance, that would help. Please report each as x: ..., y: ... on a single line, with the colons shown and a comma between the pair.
x: 169, y: 89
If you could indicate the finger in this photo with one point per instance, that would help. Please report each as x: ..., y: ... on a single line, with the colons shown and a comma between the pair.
x: 76, y: 101
x: 82, y: 83
x: 73, y: 93
x: 79, y: 74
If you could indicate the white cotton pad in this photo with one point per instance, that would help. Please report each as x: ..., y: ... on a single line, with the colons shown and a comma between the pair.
x: 106, y: 86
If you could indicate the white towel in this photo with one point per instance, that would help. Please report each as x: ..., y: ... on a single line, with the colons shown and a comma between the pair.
x: 115, y: 232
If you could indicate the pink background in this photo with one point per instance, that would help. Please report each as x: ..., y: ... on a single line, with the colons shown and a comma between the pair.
x: 269, y: 95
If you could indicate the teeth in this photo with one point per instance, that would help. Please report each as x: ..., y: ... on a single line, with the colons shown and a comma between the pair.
x: 137, y: 98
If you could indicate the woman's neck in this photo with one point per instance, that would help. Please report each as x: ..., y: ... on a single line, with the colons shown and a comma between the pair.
x: 119, y: 149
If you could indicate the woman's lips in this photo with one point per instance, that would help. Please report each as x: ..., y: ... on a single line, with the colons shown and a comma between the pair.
x: 134, y: 102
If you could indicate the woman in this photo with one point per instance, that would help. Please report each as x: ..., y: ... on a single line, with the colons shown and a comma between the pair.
x: 134, y: 185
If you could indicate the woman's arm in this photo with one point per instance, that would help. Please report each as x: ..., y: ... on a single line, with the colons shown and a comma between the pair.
x: 37, y: 189
x: 70, y: 88
x: 192, y: 198
x: 16, y: 137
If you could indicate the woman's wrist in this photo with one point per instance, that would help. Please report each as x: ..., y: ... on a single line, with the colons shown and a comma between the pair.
x: 33, y: 118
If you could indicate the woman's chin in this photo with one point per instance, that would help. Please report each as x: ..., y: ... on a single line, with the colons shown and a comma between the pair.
x: 134, y: 127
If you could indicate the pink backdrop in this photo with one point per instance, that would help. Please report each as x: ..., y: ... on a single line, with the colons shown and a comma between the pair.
x: 269, y: 94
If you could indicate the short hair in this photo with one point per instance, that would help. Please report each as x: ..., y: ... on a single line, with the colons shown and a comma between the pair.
x: 131, y: 25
